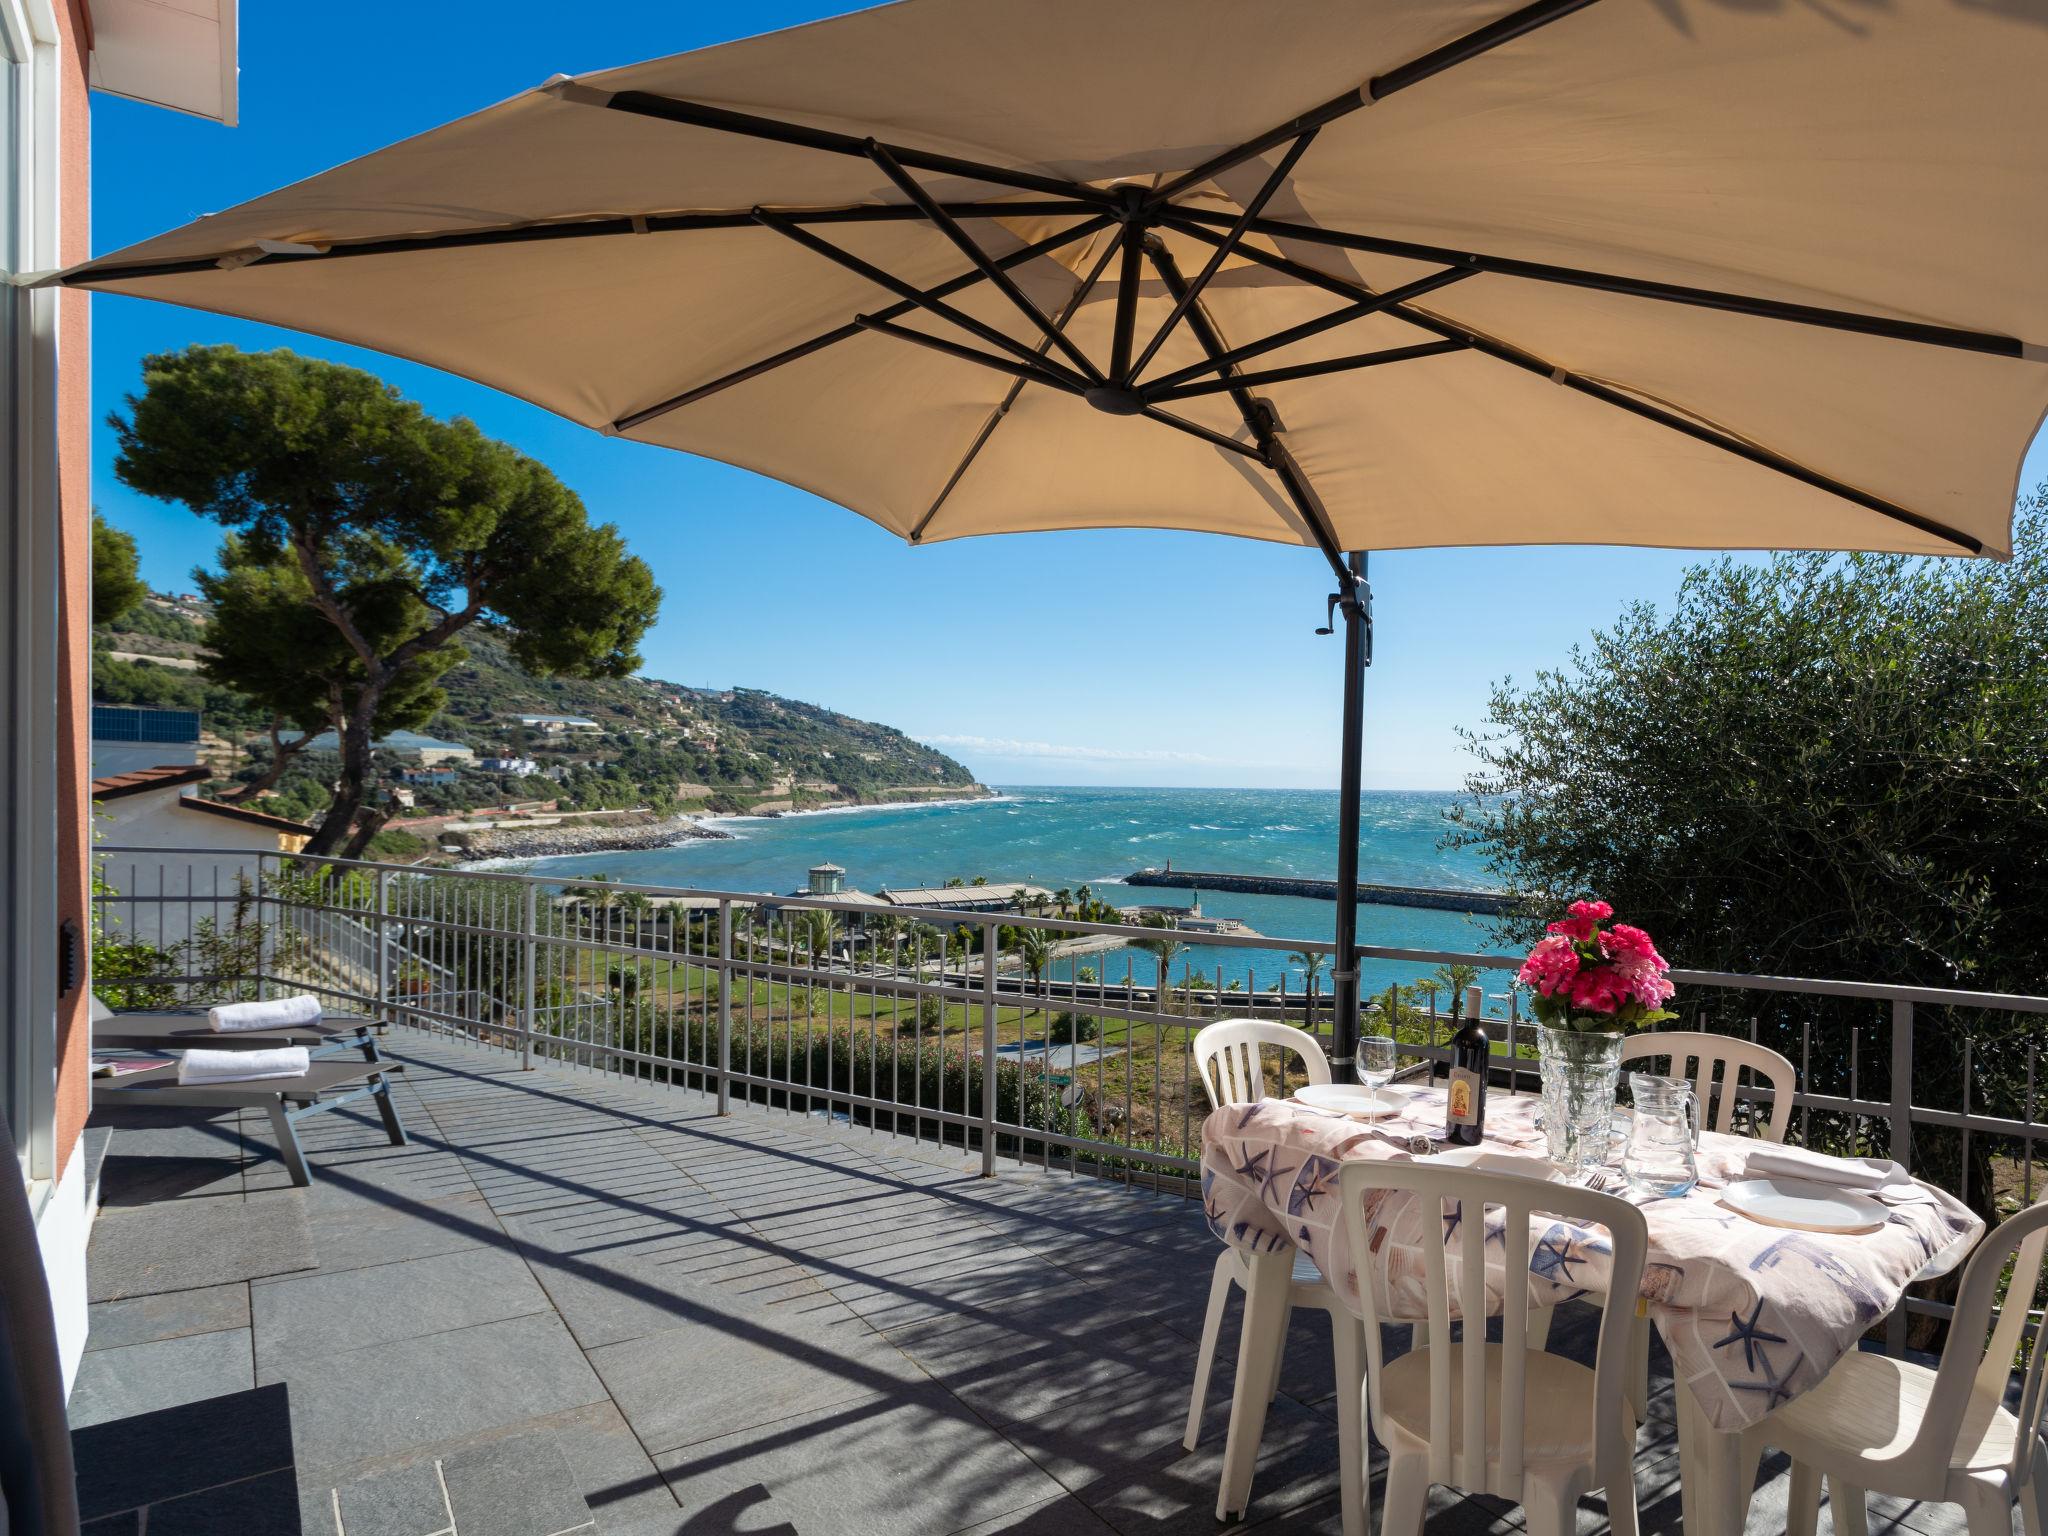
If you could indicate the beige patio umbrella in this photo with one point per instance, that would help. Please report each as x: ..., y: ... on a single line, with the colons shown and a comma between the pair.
x: 1353, y: 275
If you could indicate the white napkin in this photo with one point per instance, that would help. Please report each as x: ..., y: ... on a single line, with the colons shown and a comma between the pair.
x: 1874, y: 1176
x: 277, y: 1013
x: 199, y: 1068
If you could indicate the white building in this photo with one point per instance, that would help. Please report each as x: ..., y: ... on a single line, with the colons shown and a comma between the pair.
x: 157, y: 808
x: 519, y: 765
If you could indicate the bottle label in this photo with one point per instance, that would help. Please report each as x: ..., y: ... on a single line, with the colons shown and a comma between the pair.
x: 1464, y: 1096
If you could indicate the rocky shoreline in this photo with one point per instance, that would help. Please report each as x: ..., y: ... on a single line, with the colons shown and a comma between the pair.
x: 516, y: 842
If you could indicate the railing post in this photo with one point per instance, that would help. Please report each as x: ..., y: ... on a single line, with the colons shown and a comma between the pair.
x: 529, y: 1015
x: 1901, y: 1138
x: 988, y: 1050
x: 382, y: 962
x: 725, y: 1007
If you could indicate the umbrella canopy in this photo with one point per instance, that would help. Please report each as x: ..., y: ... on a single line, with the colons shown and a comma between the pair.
x: 1354, y: 275
x: 1688, y: 274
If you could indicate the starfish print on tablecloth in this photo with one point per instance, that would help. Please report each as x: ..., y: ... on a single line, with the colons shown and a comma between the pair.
x: 1776, y: 1388
x: 1750, y: 1337
x: 1249, y: 1113
x: 1556, y: 1253
x: 1454, y: 1217
x: 1252, y: 1165
x: 1317, y: 1178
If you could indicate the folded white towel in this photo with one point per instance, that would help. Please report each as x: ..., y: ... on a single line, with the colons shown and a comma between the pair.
x: 277, y: 1013
x: 1869, y: 1175
x: 201, y: 1068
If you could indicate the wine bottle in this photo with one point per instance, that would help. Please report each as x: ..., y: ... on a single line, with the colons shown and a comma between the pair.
x: 1466, y: 1119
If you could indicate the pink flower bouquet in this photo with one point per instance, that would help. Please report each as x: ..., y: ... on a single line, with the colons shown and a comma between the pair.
x: 1592, y: 978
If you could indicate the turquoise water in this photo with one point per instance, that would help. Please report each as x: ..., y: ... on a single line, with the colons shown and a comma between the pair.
x: 1069, y: 837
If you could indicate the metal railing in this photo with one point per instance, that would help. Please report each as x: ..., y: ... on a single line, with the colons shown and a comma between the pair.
x: 932, y: 1026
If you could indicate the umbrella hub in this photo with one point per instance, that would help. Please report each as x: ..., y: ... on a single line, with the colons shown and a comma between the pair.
x: 1115, y: 399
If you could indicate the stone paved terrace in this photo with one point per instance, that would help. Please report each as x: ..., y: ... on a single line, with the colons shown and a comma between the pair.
x: 581, y: 1304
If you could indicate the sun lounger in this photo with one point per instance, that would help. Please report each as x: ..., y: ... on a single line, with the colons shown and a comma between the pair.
x: 325, y: 1085
x: 185, y: 1029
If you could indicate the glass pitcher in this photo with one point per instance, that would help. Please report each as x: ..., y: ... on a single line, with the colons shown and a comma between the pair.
x: 1665, y: 1130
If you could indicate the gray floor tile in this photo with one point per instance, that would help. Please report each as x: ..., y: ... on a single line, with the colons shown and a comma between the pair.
x: 746, y: 1370
x: 520, y: 1486
x: 145, y: 1319
x: 257, y: 1506
x: 140, y: 1378
x: 159, y: 1455
x: 183, y: 1245
x: 884, y: 1467
x: 612, y: 1469
x: 388, y: 1397
x: 395, y: 1501
x: 381, y: 1226
x: 302, y: 1317
x: 1061, y: 1516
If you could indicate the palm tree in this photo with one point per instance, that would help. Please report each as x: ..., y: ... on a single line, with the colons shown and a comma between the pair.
x: 1063, y: 899
x: 1311, y: 962
x: 1166, y: 947
x: 1455, y: 979
x: 1036, y: 948
x: 817, y: 931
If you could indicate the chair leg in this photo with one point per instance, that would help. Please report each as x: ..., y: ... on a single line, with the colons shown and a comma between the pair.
x: 1987, y: 1511
x: 387, y: 1106
x: 1621, y: 1502
x: 1407, y: 1494
x: 2034, y: 1497
x: 1205, y: 1359
x: 1280, y: 1349
x: 1802, y: 1501
x: 288, y: 1144
x: 1267, y: 1286
x: 1347, y: 1347
x: 1847, y: 1503
x: 1639, y: 1364
x: 1547, y: 1513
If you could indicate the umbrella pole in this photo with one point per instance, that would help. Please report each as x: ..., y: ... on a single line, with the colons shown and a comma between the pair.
x: 1355, y: 603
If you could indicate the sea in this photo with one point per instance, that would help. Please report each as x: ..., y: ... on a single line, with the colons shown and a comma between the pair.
x: 1068, y: 837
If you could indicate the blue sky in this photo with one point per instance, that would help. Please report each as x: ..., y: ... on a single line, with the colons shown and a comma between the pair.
x: 1119, y: 658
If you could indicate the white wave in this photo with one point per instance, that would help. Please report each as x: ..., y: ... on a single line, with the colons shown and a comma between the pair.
x: 722, y: 822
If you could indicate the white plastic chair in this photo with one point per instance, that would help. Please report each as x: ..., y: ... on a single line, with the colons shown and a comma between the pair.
x: 1942, y: 1436
x: 1229, y: 1062
x: 1709, y: 1059
x: 1502, y: 1419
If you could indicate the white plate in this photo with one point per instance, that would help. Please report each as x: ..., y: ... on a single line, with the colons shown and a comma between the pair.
x: 1523, y: 1165
x: 1804, y: 1206
x: 1347, y: 1099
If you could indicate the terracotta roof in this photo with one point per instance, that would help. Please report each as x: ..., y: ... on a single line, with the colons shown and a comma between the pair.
x: 255, y: 818
x: 142, y: 780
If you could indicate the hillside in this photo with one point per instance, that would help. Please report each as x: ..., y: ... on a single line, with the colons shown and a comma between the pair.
x: 656, y: 743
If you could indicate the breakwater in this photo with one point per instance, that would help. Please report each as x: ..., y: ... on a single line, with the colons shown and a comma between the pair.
x: 517, y: 841
x: 1437, y: 898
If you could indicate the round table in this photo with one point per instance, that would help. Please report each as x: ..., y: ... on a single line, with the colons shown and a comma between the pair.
x: 1752, y: 1315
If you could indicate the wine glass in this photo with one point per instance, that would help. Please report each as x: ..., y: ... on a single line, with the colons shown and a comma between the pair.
x: 1375, y: 1064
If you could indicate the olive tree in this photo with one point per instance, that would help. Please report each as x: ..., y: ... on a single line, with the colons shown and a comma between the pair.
x: 1808, y: 765
x: 405, y: 528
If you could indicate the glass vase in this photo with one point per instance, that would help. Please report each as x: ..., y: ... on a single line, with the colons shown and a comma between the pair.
x: 1580, y: 1068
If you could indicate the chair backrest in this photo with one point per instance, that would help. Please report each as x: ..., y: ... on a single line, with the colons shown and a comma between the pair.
x: 1974, y: 1372
x: 1227, y: 1058
x: 1705, y: 1058
x: 1460, y: 1206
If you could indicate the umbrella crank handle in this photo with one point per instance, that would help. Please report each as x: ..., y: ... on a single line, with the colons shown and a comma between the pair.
x: 1364, y: 601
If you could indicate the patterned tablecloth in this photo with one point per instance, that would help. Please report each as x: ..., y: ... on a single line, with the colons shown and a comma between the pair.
x: 1752, y: 1315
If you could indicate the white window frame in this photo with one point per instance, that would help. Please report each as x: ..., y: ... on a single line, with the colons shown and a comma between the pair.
x: 31, y: 637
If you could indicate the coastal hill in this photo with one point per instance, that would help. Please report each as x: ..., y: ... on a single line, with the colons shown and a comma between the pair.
x: 586, y: 745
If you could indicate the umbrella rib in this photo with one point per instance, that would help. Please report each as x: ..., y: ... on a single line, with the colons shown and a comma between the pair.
x: 752, y: 125
x: 1356, y: 311
x: 1258, y: 416
x: 1022, y: 372
x: 1002, y: 410
x: 1206, y: 434
x: 561, y: 229
x: 1001, y: 281
x: 1482, y: 40
x: 837, y: 334
x: 1634, y: 287
x: 913, y: 295
x: 1252, y: 210
x: 1350, y: 364
x: 1698, y: 429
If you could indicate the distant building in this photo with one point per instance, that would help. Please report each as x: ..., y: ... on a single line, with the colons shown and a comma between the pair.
x: 159, y: 808
x: 827, y: 879
x: 522, y: 766
x: 428, y: 750
x: 425, y: 775
x: 128, y: 737
x: 556, y: 725
x: 998, y: 896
